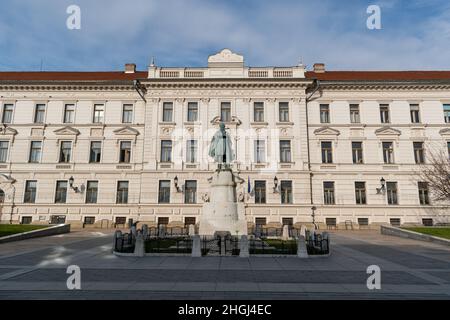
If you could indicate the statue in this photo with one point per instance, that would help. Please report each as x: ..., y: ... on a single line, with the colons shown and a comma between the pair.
x: 220, y: 148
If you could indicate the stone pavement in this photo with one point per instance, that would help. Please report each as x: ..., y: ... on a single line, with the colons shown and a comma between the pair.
x: 36, y: 269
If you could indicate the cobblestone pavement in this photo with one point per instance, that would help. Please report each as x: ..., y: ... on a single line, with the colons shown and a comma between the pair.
x: 36, y: 269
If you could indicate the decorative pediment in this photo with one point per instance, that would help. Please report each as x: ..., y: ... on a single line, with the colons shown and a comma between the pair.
x: 234, y: 121
x: 126, y: 131
x: 326, y: 131
x: 445, y: 132
x: 387, y: 131
x: 67, y: 131
x: 8, y: 131
x: 226, y: 58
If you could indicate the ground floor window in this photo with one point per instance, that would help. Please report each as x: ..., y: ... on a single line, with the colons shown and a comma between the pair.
x: 395, y: 222
x: 26, y: 220
x: 89, y: 220
x: 363, y: 221
x: 189, y: 220
x: 427, y: 222
x: 57, y: 219
x: 287, y: 221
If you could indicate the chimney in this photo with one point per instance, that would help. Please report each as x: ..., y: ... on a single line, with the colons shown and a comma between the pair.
x: 130, y: 68
x: 319, y: 67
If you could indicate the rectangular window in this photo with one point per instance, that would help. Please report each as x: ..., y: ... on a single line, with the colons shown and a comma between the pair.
x: 285, y: 151
x: 324, y: 113
x: 414, y: 112
x: 419, y: 153
x: 65, y: 153
x: 61, y: 192
x: 384, y: 113
x: 167, y: 112
x: 122, y: 192
x: 363, y: 221
x: 4, y: 145
x: 225, y: 112
x: 7, y: 113
x: 26, y: 220
x: 357, y: 152
x: 286, y: 192
x: 360, y: 192
x: 69, y: 113
x: 327, y: 152
x: 166, y: 150
x: 30, y: 191
x: 395, y: 222
x: 127, y: 113
x: 91, y: 192
x: 388, y: 152
x: 258, y: 112
x: 35, y: 151
x: 427, y: 222
x: 190, y: 191
x: 260, y: 191
x: 392, y: 193
x: 39, y: 113
x: 99, y: 113
x: 260, y: 151
x: 192, y: 115
x: 191, y: 154
x: 328, y: 192
x: 188, y: 221
x: 164, y: 191
x: 446, y: 113
x: 260, y: 222
x: 283, y: 111
x: 89, y: 220
x: 354, y: 113
x: 287, y: 222
x: 125, y: 152
x: 423, y: 193
x: 96, y: 152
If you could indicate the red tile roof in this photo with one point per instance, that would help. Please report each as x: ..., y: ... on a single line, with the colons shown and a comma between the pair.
x: 379, y: 75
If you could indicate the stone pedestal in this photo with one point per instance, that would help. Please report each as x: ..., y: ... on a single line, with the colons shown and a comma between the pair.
x: 223, y: 212
x: 243, y: 246
x: 196, y: 246
x: 139, y: 247
x: 302, y: 252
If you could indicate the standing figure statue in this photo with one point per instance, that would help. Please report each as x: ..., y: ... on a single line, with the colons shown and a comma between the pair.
x: 220, y: 148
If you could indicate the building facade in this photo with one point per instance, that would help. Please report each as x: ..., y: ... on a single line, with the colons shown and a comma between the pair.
x: 102, y: 147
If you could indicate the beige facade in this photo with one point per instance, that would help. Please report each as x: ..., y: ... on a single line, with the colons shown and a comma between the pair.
x: 265, y: 104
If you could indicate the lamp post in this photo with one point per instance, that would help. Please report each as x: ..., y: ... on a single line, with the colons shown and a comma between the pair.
x: 76, y: 189
x: 175, y: 182
x: 382, y: 188
x: 275, y: 184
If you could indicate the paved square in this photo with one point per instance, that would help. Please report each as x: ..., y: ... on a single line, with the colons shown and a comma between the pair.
x: 36, y: 269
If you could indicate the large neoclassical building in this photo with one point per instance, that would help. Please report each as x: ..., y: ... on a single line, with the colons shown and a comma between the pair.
x: 333, y: 146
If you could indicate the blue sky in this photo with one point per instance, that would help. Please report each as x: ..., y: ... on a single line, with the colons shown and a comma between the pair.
x: 415, y: 34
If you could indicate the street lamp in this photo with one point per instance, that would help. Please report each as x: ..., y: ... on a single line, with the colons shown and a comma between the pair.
x: 175, y: 182
x: 275, y: 184
x: 76, y: 189
x: 382, y: 189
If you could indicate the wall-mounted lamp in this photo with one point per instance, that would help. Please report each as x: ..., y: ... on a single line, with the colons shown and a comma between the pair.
x: 275, y: 184
x: 76, y: 189
x: 382, y: 189
x: 175, y: 182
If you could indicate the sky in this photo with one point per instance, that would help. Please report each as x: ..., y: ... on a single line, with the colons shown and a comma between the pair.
x: 414, y: 34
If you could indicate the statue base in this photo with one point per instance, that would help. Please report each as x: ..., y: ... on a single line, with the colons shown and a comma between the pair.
x: 223, y: 212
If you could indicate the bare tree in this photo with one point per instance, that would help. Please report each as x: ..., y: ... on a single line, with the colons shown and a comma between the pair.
x: 436, y: 173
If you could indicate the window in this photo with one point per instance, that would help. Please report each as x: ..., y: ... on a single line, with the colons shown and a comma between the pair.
x: 363, y: 221
x: 384, y: 113
x: 61, y: 192
x: 258, y: 112
x: 285, y: 151
x: 283, y: 111
x: 357, y: 152
x: 419, y: 152
x: 360, y: 192
x: 167, y: 112
x: 127, y: 113
x: 164, y: 191
x: 69, y: 113
x: 190, y: 191
x: 89, y: 220
x: 189, y: 220
x: 260, y: 191
x: 388, y: 152
x: 91, y: 191
x: 96, y: 152
x: 39, y: 113
x: 286, y: 192
x: 423, y: 193
x: 395, y: 222
x: 163, y: 221
x: 125, y: 151
x: 35, y: 151
x: 328, y: 192
x: 391, y: 188
x: 99, y: 113
x: 192, y: 115
x: 260, y: 222
x: 65, y: 151
x: 414, y: 112
x: 287, y: 222
x: 446, y: 113
x: 260, y: 151
x: 327, y: 152
x: 166, y: 151
x: 324, y: 113
x: 427, y: 222
x: 225, y: 112
x: 4, y: 145
x: 26, y: 220
x: 191, y: 155
x: 30, y: 191
x: 122, y: 192
x: 7, y: 113
x: 354, y: 113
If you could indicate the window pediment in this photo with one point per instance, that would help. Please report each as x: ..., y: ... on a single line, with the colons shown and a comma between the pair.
x: 326, y: 131
x: 126, y: 131
x: 387, y: 131
x: 8, y: 131
x: 445, y: 132
x: 67, y: 131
